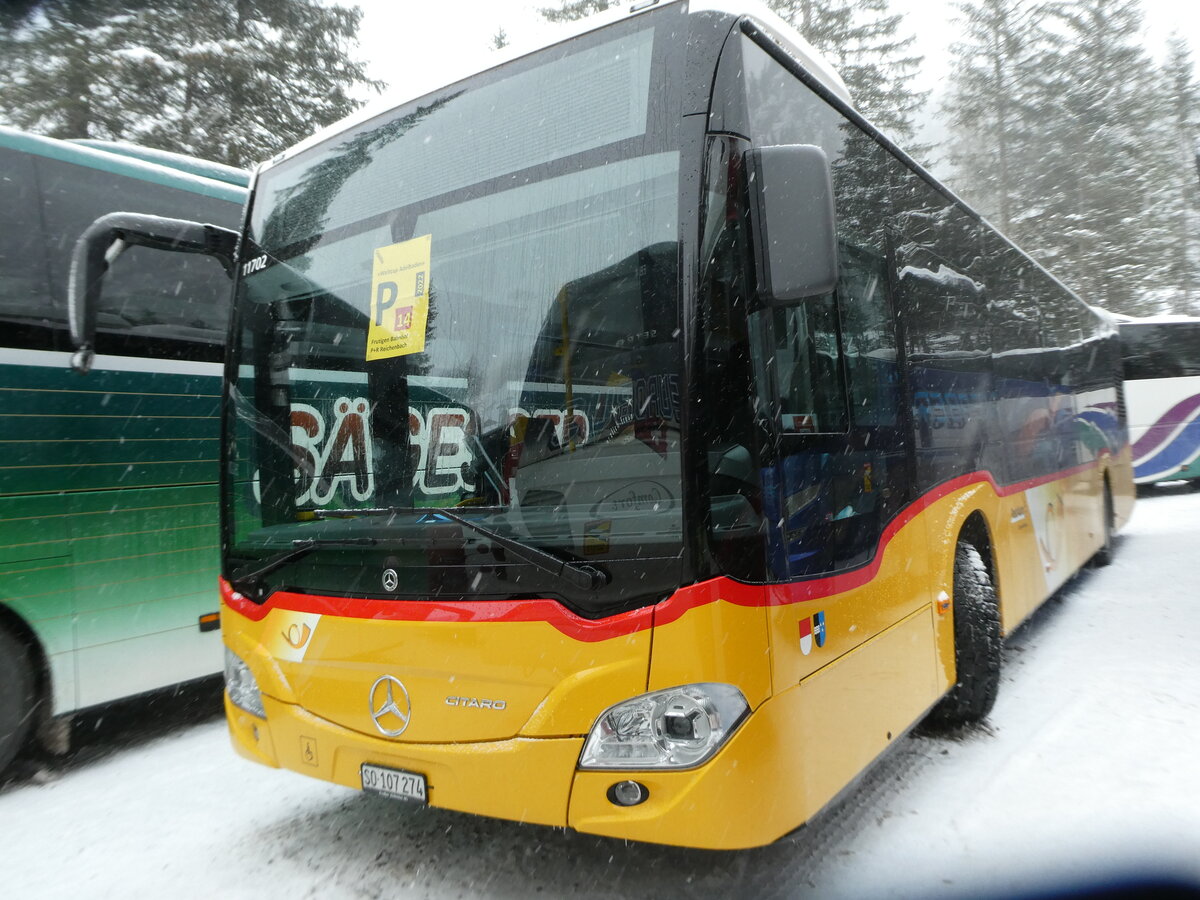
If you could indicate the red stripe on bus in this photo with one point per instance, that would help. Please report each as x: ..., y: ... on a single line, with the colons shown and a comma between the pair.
x: 694, y: 596
x: 550, y: 611
x: 670, y: 610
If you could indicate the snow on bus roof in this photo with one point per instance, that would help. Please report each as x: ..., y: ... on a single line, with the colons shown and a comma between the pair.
x: 108, y: 159
x: 1161, y: 319
x: 770, y: 23
x: 193, y: 165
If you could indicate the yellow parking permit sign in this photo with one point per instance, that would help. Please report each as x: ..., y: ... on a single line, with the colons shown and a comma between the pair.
x: 399, y: 299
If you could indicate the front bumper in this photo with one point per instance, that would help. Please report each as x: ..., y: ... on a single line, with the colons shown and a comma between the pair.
x: 730, y: 802
x: 525, y: 779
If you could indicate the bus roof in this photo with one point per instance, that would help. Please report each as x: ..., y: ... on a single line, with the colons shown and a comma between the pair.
x: 122, y: 162
x: 769, y: 22
x: 202, y: 167
x: 1161, y: 319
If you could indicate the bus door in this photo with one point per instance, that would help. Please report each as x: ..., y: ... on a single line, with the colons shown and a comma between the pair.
x: 850, y: 564
x: 846, y: 547
x: 839, y: 473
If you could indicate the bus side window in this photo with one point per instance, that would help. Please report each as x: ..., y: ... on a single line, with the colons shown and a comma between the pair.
x: 1020, y: 391
x: 942, y: 299
x: 27, y: 315
x: 869, y: 339
x: 802, y: 365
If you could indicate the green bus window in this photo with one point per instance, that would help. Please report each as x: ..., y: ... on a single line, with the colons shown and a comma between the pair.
x: 153, y: 304
x: 26, y: 311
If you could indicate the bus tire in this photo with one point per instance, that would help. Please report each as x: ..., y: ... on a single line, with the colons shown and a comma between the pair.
x: 977, y: 644
x: 18, y: 696
x: 1104, y: 555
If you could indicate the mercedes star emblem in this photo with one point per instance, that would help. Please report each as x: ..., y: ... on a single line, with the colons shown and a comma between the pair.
x: 390, y: 708
x: 391, y: 579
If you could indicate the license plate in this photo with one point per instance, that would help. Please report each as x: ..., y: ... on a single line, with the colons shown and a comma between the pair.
x: 393, y: 783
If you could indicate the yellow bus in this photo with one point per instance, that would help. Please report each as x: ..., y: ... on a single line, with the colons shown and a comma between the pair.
x: 630, y: 438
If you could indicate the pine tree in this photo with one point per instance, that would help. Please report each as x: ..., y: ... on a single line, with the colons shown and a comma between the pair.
x: 992, y: 105
x: 571, y: 10
x: 1182, y: 141
x: 1098, y: 181
x: 64, y: 77
x: 861, y: 38
x: 500, y: 39
x: 230, y: 80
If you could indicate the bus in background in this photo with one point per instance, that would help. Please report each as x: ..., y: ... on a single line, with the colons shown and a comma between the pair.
x: 108, y: 498
x: 629, y: 437
x: 1161, y: 358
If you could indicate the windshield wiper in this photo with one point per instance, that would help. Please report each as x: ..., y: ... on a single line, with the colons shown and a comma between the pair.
x: 581, y: 575
x: 300, y: 548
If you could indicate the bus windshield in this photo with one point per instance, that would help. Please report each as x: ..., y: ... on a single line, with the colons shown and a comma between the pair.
x: 434, y: 317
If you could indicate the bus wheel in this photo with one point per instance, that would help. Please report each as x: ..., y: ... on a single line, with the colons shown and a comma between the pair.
x: 1104, y: 555
x: 977, y: 646
x: 18, y: 696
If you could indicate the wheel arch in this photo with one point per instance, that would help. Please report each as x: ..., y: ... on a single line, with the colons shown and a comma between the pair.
x: 15, y: 625
x: 970, y: 640
x: 976, y: 531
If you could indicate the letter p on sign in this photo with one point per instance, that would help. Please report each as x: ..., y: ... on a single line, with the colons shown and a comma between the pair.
x: 386, y: 293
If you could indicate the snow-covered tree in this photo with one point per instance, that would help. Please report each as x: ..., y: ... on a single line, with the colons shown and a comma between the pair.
x: 1099, y: 219
x: 63, y: 80
x: 992, y: 107
x: 1182, y: 138
x: 571, y: 10
x: 862, y: 39
x: 1065, y: 135
x: 251, y: 76
x: 230, y: 80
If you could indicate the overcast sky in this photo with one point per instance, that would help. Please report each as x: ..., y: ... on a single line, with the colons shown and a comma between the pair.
x: 414, y: 46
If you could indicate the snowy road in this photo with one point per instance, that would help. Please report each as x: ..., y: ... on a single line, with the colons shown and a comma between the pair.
x: 1090, y: 768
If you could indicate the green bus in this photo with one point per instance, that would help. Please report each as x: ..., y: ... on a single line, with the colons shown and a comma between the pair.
x: 108, y: 499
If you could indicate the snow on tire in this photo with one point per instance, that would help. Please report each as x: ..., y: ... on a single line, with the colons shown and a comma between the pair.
x: 977, y: 645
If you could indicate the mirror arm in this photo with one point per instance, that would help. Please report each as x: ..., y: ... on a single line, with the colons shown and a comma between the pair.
x: 105, y: 240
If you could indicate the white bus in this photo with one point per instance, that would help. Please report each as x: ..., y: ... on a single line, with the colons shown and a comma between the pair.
x: 1162, y: 395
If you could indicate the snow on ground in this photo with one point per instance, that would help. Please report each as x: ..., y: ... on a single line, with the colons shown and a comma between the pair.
x: 1087, y: 771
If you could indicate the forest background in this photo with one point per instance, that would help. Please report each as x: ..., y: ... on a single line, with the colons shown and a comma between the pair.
x: 1053, y: 119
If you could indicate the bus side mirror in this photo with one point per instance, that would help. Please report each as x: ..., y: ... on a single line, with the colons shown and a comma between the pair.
x: 105, y: 240
x: 792, y: 221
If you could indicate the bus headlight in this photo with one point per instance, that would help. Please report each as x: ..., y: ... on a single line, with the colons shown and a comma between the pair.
x: 242, y: 686
x: 673, y: 729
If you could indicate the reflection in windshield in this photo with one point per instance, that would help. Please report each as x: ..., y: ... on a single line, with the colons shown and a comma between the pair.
x: 507, y: 346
